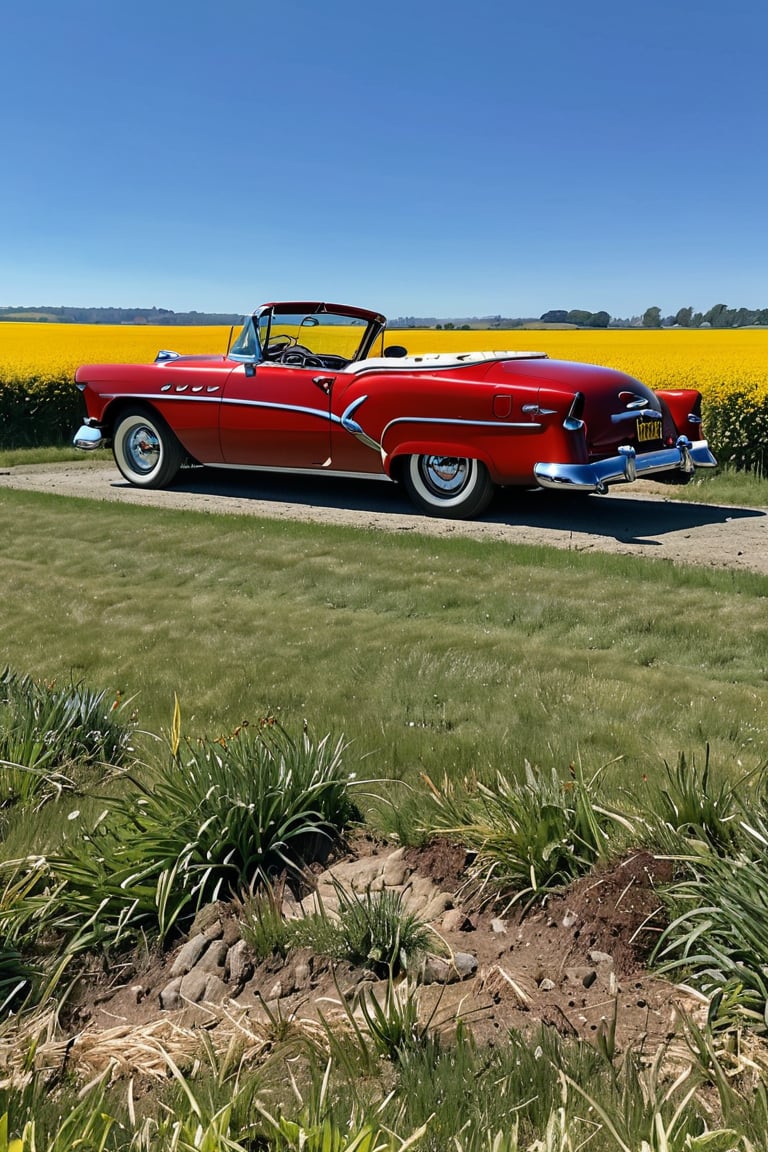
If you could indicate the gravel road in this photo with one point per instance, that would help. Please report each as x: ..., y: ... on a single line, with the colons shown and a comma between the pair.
x: 639, y: 520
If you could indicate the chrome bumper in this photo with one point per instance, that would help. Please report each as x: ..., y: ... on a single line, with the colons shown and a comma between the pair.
x: 686, y: 457
x: 88, y: 437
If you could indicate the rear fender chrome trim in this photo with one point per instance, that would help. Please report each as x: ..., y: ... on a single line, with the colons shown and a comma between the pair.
x: 352, y: 426
x: 349, y: 424
x: 499, y: 425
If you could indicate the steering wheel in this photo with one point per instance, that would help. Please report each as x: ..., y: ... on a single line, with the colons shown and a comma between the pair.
x: 299, y: 357
x: 278, y: 345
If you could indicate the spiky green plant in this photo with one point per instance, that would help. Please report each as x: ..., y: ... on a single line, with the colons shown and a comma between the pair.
x: 217, y: 818
x: 718, y: 935
x: 380, y: 1026
x: 530, y: 835
x: 694, y: 805
x: 371, y: 929
x: 49, y: 735
x: 376, y: 931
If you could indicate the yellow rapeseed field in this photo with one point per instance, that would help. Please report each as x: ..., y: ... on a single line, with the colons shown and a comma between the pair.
x: 53, y: 351
x: 728, y: 366
x: 711, y: 360
x: 715, y: 361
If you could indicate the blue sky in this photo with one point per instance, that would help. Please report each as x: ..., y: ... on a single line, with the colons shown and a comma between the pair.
x: 422, y: 158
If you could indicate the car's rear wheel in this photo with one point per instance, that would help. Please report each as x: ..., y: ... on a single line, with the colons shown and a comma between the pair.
x: 145, y: 450
x: 450, y: 486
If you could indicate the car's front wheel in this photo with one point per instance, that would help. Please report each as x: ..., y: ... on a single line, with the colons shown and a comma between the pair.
x: 452, y: 486
x: 145, y: 450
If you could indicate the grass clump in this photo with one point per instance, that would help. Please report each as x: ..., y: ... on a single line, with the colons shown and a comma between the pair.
x: 370, y: 929
x: 49, y: 736
x: 376, y: 931
x: 216, y: 818
x: 532, y: 835
x: 695, y: 806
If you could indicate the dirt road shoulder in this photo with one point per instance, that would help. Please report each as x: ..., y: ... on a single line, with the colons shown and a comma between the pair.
x: 637, y: 521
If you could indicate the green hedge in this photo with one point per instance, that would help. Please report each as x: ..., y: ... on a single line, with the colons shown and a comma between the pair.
x: 736, y: 426
x: 37, y: 413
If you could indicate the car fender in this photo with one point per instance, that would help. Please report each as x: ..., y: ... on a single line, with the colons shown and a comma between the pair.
x: 198, y: 441
x: 435, y: 446
x: 684, y: 407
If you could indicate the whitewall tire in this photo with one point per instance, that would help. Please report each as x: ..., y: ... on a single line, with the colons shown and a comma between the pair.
x: 450, y: 486
x: 145, y: 450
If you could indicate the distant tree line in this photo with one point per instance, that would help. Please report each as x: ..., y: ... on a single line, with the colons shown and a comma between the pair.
x: 719, y: 316
x: 578, y: 317
x: 68, y: 315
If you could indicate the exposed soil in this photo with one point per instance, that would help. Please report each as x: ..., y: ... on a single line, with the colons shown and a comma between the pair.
x: 639, y: 520
x: 576, y: 963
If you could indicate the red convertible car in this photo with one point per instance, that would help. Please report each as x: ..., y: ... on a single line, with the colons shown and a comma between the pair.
x: 313, y: 387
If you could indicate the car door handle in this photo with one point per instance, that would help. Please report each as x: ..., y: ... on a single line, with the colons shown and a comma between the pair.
x: 324, y: 383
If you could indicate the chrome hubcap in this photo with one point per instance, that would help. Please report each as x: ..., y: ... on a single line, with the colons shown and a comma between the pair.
x: 445, y: 475
x: 143, y: 449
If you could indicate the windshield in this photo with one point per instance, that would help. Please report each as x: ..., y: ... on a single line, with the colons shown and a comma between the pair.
x: 297, y: 333
x: 320, y: 333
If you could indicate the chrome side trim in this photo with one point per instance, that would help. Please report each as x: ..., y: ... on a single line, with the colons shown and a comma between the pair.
x: 625, y: 467
x: 317, y: 471
x: 501, y: 425
x: 320, y: 413
x: 164, y: 396
x: 188, y: 398
x: 350, y: 425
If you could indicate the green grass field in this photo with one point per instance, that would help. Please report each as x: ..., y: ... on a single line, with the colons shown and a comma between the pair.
x: 449, y: 657
x: 430, y: 655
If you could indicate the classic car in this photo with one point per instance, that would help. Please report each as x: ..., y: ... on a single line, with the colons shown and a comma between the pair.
x: 315, y: 387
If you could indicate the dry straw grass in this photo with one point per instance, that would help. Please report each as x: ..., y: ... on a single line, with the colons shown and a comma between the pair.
x: 36, y: 1046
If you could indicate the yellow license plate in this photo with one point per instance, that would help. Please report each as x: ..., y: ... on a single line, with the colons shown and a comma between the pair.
x: 648, y: 430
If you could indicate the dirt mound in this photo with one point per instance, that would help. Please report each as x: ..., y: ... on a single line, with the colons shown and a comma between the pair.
x: 577, y: 962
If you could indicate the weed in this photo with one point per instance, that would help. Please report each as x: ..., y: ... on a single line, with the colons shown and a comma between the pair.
x: 533, y: 835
